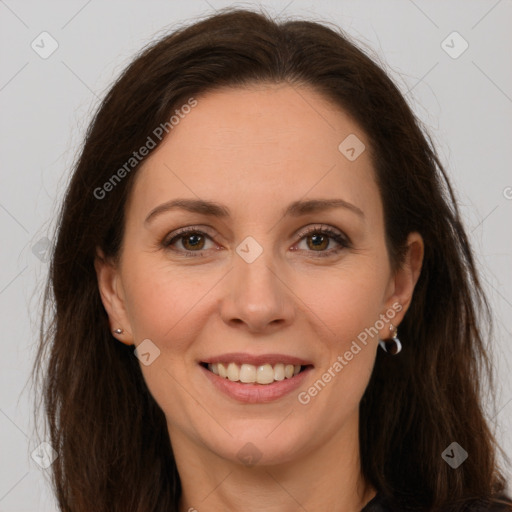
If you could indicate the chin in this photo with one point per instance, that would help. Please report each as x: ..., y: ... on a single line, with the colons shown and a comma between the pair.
x: 259, y: 445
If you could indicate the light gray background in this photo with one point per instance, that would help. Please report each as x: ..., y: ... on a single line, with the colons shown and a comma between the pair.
x: 46, y: 105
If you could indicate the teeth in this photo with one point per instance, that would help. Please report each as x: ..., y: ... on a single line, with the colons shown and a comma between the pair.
x: 222, y: 370
x: 233, y: 372
x: 248, y: 373
x: 265, y: 374
x: 279, y: 371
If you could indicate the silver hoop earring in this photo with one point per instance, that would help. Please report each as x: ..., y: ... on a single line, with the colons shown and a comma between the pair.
x: 118, y: 331
x: 391, y: 345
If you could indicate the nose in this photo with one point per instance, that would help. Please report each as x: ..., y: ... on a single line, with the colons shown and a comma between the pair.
x: 257, y: 296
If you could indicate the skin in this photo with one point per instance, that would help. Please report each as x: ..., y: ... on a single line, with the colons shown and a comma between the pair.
x: 255, y: 150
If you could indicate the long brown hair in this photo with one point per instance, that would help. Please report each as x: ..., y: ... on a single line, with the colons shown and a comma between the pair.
x: 110, y: 434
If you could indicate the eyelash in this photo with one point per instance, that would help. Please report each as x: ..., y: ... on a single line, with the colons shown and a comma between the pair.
x: 341, y: 239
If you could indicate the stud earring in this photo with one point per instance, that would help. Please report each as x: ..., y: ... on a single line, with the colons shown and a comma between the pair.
x: 118, y: 331
x: 391, y: 345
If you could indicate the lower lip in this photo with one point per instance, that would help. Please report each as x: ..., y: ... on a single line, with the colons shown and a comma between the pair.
x: 256, y: 393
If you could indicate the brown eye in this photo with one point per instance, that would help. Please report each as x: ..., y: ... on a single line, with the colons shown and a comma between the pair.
x: 193, y: 241
x: 318, y: 240
x: 188, y: 242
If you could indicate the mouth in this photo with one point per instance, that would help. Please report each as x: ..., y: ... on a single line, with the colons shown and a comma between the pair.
x: 263, y: 374
x: 255, y: 379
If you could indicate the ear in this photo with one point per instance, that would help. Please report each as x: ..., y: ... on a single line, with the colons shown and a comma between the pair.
x: 112, y: 296
x: 401, y: 287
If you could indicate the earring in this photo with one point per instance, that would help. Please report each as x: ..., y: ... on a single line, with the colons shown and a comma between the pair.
x: 118, y: 331
x: 391, y: 345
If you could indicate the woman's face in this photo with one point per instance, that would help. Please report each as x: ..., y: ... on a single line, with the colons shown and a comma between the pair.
x: 257, y: 284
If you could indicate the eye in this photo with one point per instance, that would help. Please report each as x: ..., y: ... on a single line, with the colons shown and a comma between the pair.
x: 192, y: 240
x: 318, y: 239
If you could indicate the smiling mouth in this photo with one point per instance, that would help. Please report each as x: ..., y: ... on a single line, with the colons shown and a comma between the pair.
x: 252, y: 374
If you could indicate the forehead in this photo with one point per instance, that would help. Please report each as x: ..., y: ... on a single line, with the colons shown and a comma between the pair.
x: 257, y: 147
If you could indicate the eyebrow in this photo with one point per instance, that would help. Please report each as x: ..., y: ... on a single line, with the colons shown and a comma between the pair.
x: 211, y: 208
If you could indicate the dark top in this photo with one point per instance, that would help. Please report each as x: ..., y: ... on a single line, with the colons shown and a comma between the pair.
x: 381, y: 504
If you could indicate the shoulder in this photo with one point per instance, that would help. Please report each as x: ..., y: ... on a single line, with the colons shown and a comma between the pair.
x: 499, y: 504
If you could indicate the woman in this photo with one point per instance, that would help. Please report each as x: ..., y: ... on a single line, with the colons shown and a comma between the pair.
x: 255, y: 228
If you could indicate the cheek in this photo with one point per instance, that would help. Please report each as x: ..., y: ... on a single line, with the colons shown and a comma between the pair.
x: 348, y: 304
x: 166, y: 305
x: 160, y: 298
x: 348, y: 309
x: 348, y: 301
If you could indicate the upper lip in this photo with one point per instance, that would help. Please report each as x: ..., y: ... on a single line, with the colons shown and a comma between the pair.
x: 256, y: 360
